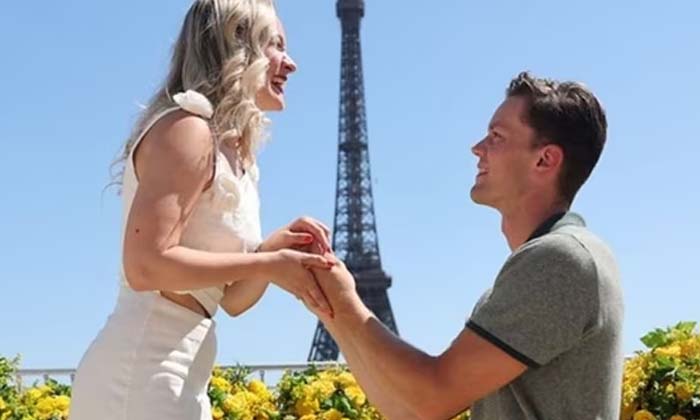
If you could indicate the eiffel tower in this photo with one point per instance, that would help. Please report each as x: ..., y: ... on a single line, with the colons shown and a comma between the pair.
x: 354, y: 229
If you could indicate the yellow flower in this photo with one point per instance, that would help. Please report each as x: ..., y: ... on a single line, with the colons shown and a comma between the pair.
x: 322, y: 389
x: 217, y: 413
x: 677, y: 417
x: 673, y: 350
x: 259, y: 388
x: 221, y: 384
x: 643, y: 415
x: 306, y: 406
x: 45, y: 408
x: 356, y: 395
x: 240, y: 402
x: 62, y: 404
x: 326, y: 375
x: 51, y: 407
x: 234, y: 403
x: 302, y: 392
x: 332, y: 414
x: 34, y: 394
x: 684, y: 391
x: 346, y: 379
x: 691, y: 347
x: 308, y: 417
x: 635, y: 379
x: 3, y: 405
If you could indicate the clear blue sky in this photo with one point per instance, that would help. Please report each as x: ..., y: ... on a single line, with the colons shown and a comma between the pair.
x: 74, y: 71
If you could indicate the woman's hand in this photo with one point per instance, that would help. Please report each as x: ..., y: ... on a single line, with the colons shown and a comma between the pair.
x: 300, y: 235
x: 290, y: 270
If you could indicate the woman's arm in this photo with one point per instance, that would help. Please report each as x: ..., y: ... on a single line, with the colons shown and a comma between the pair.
x: 242, y: 295
x: 174, y: 165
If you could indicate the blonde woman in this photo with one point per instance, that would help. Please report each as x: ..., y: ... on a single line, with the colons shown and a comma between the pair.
x: 192, y: 239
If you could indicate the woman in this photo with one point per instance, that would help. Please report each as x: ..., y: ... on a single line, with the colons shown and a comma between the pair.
x: 191, y: 220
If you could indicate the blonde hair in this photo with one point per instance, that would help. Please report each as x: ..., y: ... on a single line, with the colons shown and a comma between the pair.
x: 220, y: 54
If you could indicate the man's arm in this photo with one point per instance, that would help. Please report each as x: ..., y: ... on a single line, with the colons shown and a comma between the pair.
x: 379, y: 393
x: 431, y: 387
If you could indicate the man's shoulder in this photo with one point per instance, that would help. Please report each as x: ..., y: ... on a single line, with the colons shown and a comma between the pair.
x: 573, y: 252
x: 560, y: 247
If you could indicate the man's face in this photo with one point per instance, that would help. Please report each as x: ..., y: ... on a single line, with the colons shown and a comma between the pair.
x: 507, y: 157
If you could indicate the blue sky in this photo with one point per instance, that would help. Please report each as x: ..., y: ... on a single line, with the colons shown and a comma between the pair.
x: 74, y: 72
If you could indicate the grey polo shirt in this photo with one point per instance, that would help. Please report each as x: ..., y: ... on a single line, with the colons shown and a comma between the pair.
x: 557, y: 307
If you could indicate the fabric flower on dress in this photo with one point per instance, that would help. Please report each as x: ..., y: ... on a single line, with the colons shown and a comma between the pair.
x: 227, y: 192
x: 195, y: 103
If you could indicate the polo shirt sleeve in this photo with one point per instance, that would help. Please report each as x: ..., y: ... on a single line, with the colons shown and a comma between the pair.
x: 544, y: 301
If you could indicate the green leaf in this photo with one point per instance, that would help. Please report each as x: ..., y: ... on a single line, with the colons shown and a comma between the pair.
x: 665, y: 363
x: 217, y: 395
x: 656, y: 338
x: 687, y: 326
x: 344, y: 404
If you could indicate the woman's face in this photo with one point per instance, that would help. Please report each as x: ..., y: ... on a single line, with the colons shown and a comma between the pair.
x: 270, y: 97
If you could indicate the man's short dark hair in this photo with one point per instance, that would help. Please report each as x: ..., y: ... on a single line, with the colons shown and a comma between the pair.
x: 566, y: 114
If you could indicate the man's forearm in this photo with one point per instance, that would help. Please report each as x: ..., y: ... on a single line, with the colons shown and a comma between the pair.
x: 397, y: 368
x: 375, y: 387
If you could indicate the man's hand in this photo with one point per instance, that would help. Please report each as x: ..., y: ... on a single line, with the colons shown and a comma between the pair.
x: 304, y: 234
x: 291, y: 270
x: 338, y: 285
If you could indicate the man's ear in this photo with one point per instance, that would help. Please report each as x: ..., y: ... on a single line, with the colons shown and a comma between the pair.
x: 550, y: 158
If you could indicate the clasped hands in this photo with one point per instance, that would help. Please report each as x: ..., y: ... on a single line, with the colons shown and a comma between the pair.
x: 306, y: 267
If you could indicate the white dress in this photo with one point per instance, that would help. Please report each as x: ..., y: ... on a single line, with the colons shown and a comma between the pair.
x: 153, y: 358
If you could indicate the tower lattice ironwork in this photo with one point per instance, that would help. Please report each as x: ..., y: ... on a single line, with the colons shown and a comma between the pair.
x: 355, y: 231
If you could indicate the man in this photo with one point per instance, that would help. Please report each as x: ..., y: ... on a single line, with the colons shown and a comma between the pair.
x: 545, y: 341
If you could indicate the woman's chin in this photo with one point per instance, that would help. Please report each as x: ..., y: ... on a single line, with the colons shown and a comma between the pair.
x: 272, y: 104
x: 268, y: 100
x: 277, y: 104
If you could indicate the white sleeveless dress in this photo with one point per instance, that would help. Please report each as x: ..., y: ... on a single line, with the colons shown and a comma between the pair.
x: 153, y: 358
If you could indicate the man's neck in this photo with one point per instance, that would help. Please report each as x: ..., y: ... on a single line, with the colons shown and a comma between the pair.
x: 519, y: 224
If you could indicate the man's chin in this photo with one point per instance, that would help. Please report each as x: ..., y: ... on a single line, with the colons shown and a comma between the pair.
x: 478, y: 197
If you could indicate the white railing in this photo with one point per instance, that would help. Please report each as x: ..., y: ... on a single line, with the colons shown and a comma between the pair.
x: 264, y: 372
x: 269, y: 372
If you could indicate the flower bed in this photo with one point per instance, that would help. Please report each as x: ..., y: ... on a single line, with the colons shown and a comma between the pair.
x: 663, y: 382
x: 660, y: 383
